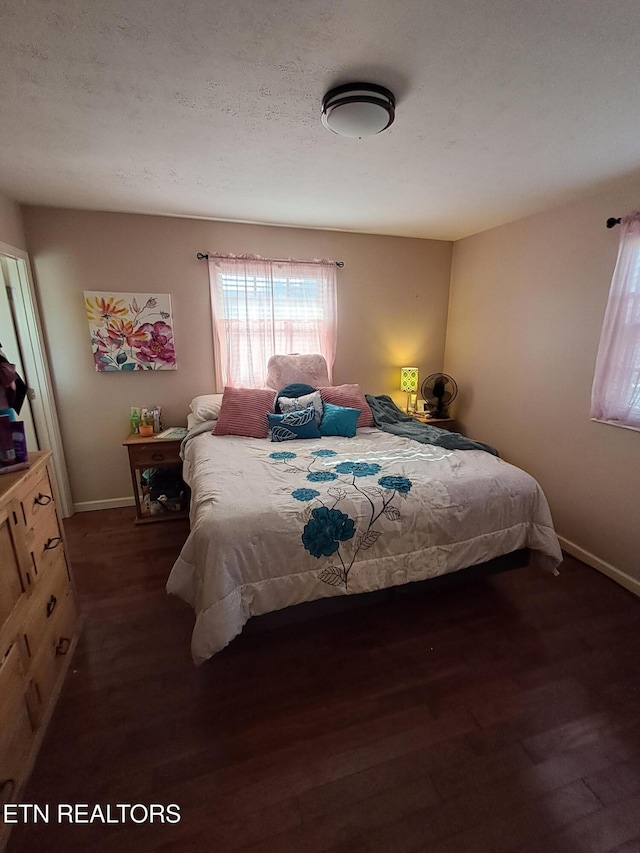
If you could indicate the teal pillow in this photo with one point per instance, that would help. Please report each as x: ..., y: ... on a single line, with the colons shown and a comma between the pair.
x: 300, y: 424
x: 339, y: 420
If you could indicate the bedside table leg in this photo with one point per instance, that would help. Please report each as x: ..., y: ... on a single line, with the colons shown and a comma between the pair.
x: 136, y: 492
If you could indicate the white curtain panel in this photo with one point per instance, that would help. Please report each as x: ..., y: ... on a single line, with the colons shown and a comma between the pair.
x: 616, y: 386
x: 263, y: 307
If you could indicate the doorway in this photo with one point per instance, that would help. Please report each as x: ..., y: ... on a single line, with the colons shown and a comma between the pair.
x: 23, y: 344
x: 10, y: 346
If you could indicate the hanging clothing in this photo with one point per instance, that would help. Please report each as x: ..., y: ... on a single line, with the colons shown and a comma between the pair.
x: 12, y: 387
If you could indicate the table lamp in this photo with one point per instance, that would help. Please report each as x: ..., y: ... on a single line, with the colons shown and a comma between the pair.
x: 409, y: 384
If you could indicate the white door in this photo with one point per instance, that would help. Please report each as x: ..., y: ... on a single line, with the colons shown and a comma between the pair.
x: 11, y: 349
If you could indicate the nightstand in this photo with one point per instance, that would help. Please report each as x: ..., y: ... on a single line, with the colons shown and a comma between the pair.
x: 441, y: 423
x: 156, y: 474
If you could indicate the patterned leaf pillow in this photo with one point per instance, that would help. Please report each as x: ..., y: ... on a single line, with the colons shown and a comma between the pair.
x: 294, y: 404
x: 301, y: 424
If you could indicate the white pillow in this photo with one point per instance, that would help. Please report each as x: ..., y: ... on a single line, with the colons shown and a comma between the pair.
x: 296, y: 404
x: 307, y: 369
x: 206, y: 407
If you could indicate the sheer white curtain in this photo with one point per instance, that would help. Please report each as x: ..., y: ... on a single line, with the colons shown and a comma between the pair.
x: 615, y: 396
x: 262, y: 308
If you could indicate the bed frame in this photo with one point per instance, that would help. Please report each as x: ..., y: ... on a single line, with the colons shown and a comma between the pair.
x: 322, y: 607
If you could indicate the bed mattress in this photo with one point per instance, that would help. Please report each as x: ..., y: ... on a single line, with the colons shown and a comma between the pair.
x: 276, y: 524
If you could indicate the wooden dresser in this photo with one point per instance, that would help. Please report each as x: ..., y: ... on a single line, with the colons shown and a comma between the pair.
x: 38, y: 619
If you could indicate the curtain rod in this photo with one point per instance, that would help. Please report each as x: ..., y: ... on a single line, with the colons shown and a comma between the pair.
x: 204, y: 256
x: 634, y: 217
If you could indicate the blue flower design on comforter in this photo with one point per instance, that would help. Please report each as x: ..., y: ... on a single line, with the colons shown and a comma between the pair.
x: 321, y: 476
x: 358, y: 469
x: 305, y: 494
x: 327, y: 529
x: 400, y: 484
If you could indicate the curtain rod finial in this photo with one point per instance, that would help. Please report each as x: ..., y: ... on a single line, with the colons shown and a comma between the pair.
x: 611, y: 221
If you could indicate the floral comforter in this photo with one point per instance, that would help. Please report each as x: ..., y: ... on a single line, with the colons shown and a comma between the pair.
x: 277, y: 524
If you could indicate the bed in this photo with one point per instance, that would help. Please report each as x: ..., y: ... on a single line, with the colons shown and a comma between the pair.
x: 277, y: 524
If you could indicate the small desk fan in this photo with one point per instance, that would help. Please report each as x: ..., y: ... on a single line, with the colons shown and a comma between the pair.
x: 438, y: 391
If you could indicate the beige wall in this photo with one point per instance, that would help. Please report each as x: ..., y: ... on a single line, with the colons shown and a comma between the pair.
x: 392, y: 307
x: 526, y: 309
x: 11, y: 230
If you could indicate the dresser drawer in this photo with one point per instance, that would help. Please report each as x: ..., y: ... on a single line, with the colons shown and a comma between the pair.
x: 16, y: 740
x: 47, y: 598
x: 50, y: 662
x: 11, y: 581
x: 11, y: 683
x: 37, y: 500
x: 150, y: 455
x: 16, y: 728
x: 44, y: 542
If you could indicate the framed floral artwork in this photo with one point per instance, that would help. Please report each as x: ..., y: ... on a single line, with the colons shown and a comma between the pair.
x: 130, y: 331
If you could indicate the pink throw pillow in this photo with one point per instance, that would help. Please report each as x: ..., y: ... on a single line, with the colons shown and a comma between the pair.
x: 244, y: 412
x: 351, y: 397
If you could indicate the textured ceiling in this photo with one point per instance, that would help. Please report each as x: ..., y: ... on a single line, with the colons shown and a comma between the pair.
x: 212, y: 108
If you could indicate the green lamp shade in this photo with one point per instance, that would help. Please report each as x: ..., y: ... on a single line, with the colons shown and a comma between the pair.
x: 409, y: 379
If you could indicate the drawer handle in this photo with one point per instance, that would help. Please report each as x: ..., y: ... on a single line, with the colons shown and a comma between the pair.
x: 50, y: 544
x: 157, y: 456
x: 64, y: 644
x: 42, y: 500
x: 51, y: 605
x: 11, y: 785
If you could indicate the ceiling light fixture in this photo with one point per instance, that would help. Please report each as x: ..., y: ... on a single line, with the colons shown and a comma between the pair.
x: 358, y: 109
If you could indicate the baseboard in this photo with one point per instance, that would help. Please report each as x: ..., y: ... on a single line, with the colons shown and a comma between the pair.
x: 607, y: 569
x: 109, y: 503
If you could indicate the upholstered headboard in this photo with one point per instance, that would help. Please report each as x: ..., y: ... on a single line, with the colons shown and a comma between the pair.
x: 308, y: 369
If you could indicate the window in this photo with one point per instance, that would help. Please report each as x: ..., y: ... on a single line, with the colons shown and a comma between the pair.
x: 615, y: 397
x: 263, y: 308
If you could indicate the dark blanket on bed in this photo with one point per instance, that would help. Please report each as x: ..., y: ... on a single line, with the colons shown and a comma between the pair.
x: 390, y: 418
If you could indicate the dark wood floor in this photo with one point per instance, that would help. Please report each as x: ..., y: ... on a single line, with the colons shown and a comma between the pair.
x: 495, y: 715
